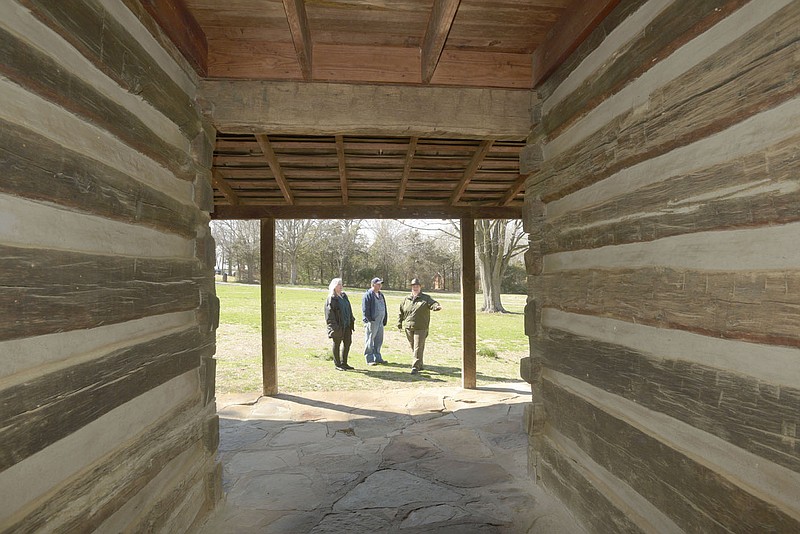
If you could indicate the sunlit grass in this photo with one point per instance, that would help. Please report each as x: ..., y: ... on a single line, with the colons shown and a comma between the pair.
x: 304, y: 360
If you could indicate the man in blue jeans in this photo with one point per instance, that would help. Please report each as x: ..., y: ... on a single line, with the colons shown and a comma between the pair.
x: 373, y: 308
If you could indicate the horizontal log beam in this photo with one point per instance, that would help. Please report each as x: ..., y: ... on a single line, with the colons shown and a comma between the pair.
x: 694, y: 495
x: 398, y: 111
x: 43, y: 410
x: 767, y: 193
x: 567, y: 34
x: 182, y: 28
x: 367, y: 211
x: 37, y: 168
x: 40, y: 74
x: 747, y: 412
x: 678, y: 24
x: 755, y: 306
x: 756, y: 72
x: 44, y: 292
x: 106, y: 43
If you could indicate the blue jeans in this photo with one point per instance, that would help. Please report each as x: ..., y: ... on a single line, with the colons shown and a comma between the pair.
x: 373, y: 340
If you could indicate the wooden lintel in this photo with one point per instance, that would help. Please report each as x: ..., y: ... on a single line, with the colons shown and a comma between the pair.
x: 183, y: 29
x: 412, y: 148
x: 301, y: 36
x: 439, y: 23
x: 219, y: 182
x: 580, y: 19
x: 514, y: 190
x: 365, y: 211
x: 342, y: 167
x: 311, y: 108
x: 275, y: 166
x: 472, y: 168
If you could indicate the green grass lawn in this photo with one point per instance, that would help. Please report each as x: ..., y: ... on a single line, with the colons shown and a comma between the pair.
x: 304, y: 353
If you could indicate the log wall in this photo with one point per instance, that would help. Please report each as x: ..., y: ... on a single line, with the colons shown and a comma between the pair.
x: 663, y: 206
x: 107, y: 415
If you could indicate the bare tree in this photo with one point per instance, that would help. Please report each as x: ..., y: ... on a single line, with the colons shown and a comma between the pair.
x: 291, y: 235
x: 496, y: 242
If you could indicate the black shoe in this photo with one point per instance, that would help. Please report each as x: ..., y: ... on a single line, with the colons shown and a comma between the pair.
x: 340, y: 368
x: 347, y: 367
x: 414, y: 370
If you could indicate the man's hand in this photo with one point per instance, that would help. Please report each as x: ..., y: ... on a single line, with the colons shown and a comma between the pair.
x: 436, y: 307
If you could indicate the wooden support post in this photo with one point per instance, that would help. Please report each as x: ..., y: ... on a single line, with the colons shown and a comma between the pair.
x: 269, y: 336
x: 468, y: 318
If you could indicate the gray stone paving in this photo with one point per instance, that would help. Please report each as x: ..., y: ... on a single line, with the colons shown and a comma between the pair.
x: 438, y: 460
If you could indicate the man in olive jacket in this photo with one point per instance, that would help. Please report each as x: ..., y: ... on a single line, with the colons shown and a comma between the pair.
x: 415, y: 317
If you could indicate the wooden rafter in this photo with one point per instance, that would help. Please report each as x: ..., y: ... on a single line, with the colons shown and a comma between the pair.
x: 412, y: 147
x: 568, y: 33
x: 275, y: 166
x: 342, y: 167
x: 439, y: 24
x: 365, y: 211
x: 514, y: 190
x: 472, y: 168
x: 301, y: 36
x: 227, y: 191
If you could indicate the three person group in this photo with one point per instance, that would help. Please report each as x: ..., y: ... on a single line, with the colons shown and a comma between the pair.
x: 414, y: 318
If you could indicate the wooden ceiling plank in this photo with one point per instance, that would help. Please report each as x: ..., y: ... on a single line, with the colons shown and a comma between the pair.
x: 227, y: 191
x: 342, y: 167
x: 513, y: 191
x: 580, y: 19
x: 412, y: 147
x: 301, y: 36
x: 275, y: 166
x: 472, y: 168
x: 439, y: 24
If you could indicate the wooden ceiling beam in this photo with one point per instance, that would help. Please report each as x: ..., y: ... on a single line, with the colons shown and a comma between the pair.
x: 412, y: 147
x: 227, y: 191
x: 366, y: 211
x: 441, y: 20
x: 275, y: 166
x: 580, y: 19
x: 472, y: 168
x: 309, y: 108
x: 513, y: 191
x: 183, y: 30
x: 301, y: 35
x: 342, y: 167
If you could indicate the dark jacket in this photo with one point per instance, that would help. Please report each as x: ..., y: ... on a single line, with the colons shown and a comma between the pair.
x: 415, y: 312
x: 369, y: 306
x: 339, y: 315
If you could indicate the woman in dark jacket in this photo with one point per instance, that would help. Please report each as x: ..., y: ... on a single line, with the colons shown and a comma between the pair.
x: 341, y: 323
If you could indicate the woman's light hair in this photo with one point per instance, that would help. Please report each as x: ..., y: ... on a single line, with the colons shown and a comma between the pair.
x: 332, y: 286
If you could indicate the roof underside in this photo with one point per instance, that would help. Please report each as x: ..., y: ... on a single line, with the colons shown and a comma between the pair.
x: 450, y: 44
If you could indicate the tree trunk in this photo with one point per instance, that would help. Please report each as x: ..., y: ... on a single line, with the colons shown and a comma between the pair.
x: 293, y: 269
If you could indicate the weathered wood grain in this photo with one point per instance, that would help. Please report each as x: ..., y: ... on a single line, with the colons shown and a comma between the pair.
x: 42, y: 292
x: 368, y: 209
x: 91, y: 498
x: 42, y: 75
x: 756, y: 306
x: 756, y: 72
x: 757, y: 416
x: 614, y: 19
x: 561, y: 475
x: 42, y: 410
x: 182, y: 28
x: 86, y: 25
x: 760, y: 189
x: 679, y: 23
x: 37, y: 168
x: 694, y: 496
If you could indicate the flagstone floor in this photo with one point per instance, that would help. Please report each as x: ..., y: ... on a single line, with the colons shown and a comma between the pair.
x: 436, y: 460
